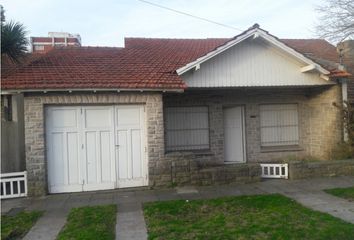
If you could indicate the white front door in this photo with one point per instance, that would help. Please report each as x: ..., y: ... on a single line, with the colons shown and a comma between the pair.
x: 234, y: 148
x: 130, y: 145
x: 95, y: 147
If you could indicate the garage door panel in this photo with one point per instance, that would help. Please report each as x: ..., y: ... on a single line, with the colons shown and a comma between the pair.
x: 132, y: 167
x: 136, y: 153
x: 64, y: 118
x: 98, y: 118
x: 57, y: 154
x: 91, y: 157
x: 122, y: 154
x: 128, y: 115
x: 106, y: 158
x: 73, y: 157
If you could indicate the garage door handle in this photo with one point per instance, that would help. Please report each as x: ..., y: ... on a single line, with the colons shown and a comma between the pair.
x: 117, y: 145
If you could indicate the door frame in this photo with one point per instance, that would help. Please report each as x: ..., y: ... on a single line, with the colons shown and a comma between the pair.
x: 243, y: 119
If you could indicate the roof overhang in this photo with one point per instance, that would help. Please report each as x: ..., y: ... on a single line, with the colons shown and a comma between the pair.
x: 16, y: 91
x: 254, y: 33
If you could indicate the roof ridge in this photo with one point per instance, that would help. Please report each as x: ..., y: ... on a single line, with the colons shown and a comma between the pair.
x: 304, y: 39
x: 198, y: 39
x: 85, y: 47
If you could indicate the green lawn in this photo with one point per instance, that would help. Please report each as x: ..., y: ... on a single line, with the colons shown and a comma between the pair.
x: 347, y: 193
x: 15, y: 227
x: 96, y: 223
x: 245, y: 217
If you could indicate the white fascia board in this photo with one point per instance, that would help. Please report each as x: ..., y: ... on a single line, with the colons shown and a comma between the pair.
x: 215, y: 52
x: 12, y: 91
x: 258, y: 33
x: 292, y: 52
x: 325, y: 77
x: 307, y: 68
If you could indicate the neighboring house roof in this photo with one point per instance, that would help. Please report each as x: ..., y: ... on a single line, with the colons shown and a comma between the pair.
x: 143, y: 64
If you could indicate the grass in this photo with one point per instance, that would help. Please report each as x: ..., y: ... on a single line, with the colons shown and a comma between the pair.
x: 246, y: 217
x: 96, y: 222
x: 15, y: 227
x: 347, y: 193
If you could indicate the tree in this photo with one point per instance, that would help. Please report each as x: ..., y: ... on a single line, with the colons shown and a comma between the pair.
x: 336, y: 20
x: 13, y: 39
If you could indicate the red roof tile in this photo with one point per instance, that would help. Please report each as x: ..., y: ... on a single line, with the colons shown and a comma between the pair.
x: 143, y: 64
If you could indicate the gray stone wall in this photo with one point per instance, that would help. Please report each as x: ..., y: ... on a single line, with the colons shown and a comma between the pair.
x: 34, y: 105
x: 302, y: 169
x: 319, y: 123
x: 319, y: 120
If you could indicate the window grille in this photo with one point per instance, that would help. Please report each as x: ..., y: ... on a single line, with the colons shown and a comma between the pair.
x: 187, y: 128
x: 279, y: 125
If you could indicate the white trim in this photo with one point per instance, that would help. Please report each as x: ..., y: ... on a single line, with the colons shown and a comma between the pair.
x: 307, y: 68
x: 215, y: 52
x: 11, y: 179
x: 325, y: 77
x: 11, y: 91
x: 273, y: 170
x: 256, y: 32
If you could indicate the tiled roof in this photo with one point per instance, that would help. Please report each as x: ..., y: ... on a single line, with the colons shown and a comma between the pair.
x: 314, y: 48
x: 143, y: 64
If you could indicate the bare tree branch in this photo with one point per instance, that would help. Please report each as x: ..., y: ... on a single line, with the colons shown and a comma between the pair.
x: 336, y: 20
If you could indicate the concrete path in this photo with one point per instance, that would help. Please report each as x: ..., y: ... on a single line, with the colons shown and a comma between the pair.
x: 324, y: 202
x: 48, y: 226
x: 310, y: 194
x: 130, y: 220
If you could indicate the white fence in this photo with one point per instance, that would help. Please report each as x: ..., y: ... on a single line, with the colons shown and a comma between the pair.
x: 271, y: 170
x: 13, y: 185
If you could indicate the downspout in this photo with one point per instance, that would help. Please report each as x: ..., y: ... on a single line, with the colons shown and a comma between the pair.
x: 344, y: 84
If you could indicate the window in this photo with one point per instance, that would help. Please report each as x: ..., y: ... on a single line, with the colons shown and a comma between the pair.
x: 187, y: 128
x: 279, y: 125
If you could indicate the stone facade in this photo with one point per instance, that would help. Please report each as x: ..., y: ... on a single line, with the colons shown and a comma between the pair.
x: 319, y: 124
x: 319, y: 120
x: 303, y: 169
x: 34, y: 106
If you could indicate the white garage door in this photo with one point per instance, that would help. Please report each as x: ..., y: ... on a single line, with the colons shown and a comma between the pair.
x: 95, y: 147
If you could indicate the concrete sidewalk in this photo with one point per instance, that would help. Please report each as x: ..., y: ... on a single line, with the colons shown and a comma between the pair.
x: 130, y: 220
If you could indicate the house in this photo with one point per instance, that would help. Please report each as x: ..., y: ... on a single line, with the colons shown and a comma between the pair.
x: 161, y: 111
x: 45, y: 44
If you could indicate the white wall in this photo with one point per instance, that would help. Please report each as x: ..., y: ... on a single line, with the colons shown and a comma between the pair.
x: 251, y: 63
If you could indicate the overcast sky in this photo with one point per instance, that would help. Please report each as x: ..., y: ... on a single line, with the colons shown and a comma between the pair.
x: 107, y: 22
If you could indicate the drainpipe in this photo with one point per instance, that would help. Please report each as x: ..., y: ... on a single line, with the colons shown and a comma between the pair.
x: 344, y: 84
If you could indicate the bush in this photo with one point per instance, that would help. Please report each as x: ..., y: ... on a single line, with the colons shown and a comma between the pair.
x: 342, y: 151
x: 345, y: 150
